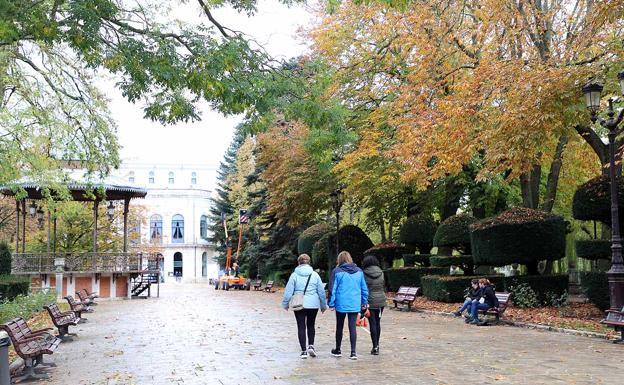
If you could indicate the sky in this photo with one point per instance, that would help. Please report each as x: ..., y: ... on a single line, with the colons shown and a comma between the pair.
x: 203, y: 143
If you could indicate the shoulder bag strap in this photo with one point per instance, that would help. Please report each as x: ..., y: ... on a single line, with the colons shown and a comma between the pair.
x: 306, y: 286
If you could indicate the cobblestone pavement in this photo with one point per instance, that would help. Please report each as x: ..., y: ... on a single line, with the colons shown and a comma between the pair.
x: 195, y: 335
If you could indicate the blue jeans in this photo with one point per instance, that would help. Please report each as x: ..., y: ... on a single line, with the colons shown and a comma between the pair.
x: 466, y: 304
x: 476, y: 306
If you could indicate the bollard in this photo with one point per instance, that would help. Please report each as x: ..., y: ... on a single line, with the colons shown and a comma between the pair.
x: 5, y: 377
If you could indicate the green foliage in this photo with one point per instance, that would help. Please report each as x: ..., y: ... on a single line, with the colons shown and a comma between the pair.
x: 417, y: 233
x: 307, y: 239
x: 452, y: 288
x: 25, y: 306
x: 455, y: 232
x: 11, y: 286
x: 324, y: 252
x: 352, y: 239
x: 524, y: 296
x: 519, y: 235
x: 593, y: 249
x: 550, y: 290
x: 465, y: 262
x: 592, y: 200
x: 413, y: 259
x: 595, y: 286
x: 5, y: 259
x: 409, y: 276
x: 386, y: 253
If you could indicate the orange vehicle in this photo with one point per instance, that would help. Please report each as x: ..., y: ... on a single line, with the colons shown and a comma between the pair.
x: 227, y: 281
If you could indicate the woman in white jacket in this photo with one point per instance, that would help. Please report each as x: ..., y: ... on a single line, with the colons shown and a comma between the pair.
x: 305, y: 280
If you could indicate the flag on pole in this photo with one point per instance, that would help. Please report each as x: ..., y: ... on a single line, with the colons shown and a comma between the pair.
x: 242, y: 216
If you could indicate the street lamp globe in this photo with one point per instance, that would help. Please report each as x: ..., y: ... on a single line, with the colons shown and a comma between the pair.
x: 621, y: 80
x: 592, y: 91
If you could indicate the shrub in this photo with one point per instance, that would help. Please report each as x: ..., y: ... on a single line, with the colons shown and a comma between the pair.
x: 465, y: 262
x: 5, y: 259
x: 452, y: 288
x: 417, y: 233
x: 324, y: 252
x: 11, y: 286
x: 25, y: 306
x: 544, y: 286
x: 592, y: 200
x: 386, y: 253
x: 524, y: 296
x: 409, y: 276
x: 593, y: 249
x: 519, y: 235
x: 307, y: 239
x: 454, y: 232
x: 413, y: 259
x: 595, y: 286
x: 352, y: 239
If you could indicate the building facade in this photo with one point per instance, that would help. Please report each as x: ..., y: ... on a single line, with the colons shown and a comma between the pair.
x: 176, y: 212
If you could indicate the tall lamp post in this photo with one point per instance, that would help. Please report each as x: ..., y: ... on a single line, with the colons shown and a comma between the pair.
x: 615, y: 275
x: 337, y: 197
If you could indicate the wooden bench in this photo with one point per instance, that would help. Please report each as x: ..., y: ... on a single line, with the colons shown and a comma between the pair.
x: 406, y: 295
x: 84, y: 298
x: 257, y: 284
x: 269, y: 287
x: 62, y: 320
x: 30, y: 346
x: 78, y: 308
x: 91, y: 295
x: 503, y: 302
x: 615, y: 319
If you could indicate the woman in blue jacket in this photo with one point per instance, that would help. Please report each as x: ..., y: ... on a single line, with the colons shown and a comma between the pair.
x: 348, y: 296
x: 313, y: 299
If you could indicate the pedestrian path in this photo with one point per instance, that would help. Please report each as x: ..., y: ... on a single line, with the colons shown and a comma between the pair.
x: 195, y: 335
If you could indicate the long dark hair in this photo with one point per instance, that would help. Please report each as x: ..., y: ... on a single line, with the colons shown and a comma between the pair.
x: 370, y: 260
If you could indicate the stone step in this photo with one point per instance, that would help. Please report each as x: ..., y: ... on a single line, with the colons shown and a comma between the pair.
x: 577, y: 298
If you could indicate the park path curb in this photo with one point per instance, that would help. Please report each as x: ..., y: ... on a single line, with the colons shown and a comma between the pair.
x: 531, y: 326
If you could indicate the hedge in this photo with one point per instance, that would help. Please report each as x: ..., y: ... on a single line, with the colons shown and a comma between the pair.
x: 386, y: 253
x: 519, y: 235
x: 305, y: 242
x: 452, y: 288
x: 417, y: 233
x: 595, y: 286
x: 454, y: 232
x: 413, y: 259
x: 25, y: 306
x: 5, y: 259
x: 11, y: 286
x: 593, y: 249
x: 323, y: 253
x: 592, y: 200
x: 354, y: 240
x: 464, y: 261
x: 410, y: 276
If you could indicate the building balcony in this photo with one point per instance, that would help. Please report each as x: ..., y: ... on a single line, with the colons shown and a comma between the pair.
x: 44, y: 263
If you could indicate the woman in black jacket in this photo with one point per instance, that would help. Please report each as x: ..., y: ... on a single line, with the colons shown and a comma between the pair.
x: 376, y: 297
x: 487, y: 301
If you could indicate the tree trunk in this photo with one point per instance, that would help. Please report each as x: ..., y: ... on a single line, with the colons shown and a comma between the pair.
x: 553, y: 175
x: 382, y: 231
x: 532, y: 268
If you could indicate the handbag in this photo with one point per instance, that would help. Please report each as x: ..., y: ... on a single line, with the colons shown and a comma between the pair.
x: 296, y: 301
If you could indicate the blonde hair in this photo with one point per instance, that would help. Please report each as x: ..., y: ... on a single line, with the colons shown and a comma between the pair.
x: 344, y: 257
x: 304, y: 259
x: 484, y: 281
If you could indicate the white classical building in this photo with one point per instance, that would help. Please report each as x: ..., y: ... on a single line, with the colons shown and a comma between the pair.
x: 176, y: 208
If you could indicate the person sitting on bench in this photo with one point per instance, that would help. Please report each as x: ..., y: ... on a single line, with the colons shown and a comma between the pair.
x: 473, y: 295
x: 486, y: 301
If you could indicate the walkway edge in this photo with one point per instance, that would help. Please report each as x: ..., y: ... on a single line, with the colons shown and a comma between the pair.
x: 531, y: 326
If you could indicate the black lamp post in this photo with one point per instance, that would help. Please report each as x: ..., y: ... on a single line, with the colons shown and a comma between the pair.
x: 337, y: 197
x: 615, y: 275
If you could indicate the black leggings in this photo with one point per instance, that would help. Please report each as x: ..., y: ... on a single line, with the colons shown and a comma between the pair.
x: 375, y: 325
x: 305, y: 320
x: 340, y: 317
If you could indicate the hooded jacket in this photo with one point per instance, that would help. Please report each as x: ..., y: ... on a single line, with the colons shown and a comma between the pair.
x: 348, y: 288
x: 490, y: 296
x: 314, y: 297
x: 375, y: 281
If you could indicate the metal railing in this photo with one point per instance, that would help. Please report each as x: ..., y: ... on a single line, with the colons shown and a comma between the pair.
x: 43, y: 263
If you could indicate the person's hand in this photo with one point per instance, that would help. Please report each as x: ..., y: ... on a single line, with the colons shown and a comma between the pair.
x: 323, y: 311
x: 331, y: 309
x: 482, y: 300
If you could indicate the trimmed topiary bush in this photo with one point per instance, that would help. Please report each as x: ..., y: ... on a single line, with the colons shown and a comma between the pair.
x: 305, y: 242
x: 324, y: 252
x: 11, y: 286
x: 454, y: 232
x: 593, y: 249
x: 519, y: 235
x: 417, y: 233
x: 416, y: 259
x: 409, y: 276
x: 352, y: 239
x: 465, y: 262
x: 386, y: 253
x: 452, y: 288
x: 592, y: 200
x: 595, y: 286
x: 5, y: 259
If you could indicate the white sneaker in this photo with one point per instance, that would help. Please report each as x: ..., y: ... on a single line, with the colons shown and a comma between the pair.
x: 303, y: 355
x: 311, y: 351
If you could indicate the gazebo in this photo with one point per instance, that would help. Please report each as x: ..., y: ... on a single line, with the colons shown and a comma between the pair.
x: 113, y: 275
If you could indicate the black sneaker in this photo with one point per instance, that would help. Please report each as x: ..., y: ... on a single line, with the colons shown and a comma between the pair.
x: 336, y: 353
x: 303, y: 355
x: 457, y: 314
x: 468, y: 320
x: 311, y: 351
x: 375, y: 351
x: 353, y: 356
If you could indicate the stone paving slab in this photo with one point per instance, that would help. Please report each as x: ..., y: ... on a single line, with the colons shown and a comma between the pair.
x: 195, y: 335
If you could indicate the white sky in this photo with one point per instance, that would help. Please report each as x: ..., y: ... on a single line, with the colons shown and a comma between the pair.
x: 204, y: 143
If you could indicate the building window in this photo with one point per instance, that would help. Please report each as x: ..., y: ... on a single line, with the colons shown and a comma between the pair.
x: 171, y: 180
x: 151, y: 176
x: 156, y: 228
x: 194, y: 178
x: 177, y: 229
x: 131, y: 177
x: 203, y: 227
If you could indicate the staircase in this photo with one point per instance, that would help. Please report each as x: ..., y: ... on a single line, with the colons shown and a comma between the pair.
x: 142, y: 283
